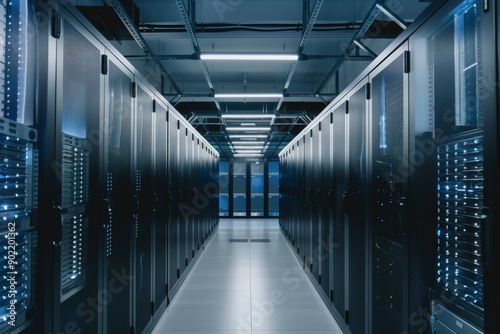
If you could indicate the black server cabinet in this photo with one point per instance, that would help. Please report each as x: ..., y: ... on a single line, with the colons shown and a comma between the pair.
x: 457, y: 138
x: 183, y: 207
x: 389, y: 263
x: 224, y: 203
x: 143, y: 216
x: 273, y: 188
x: 355, y: 206
x: 173, y: 219
x: 198, y: 191
x: 239, y: 189
x: 327, y: 201
x: 204, y: 166
x: 190, y: 198
x: 118, y: 201
x: 72, y: 177
x: 213, y: 189
x: 338, y: 261
x: 286, y: 189
x: 18, y: 166
x: 315, y: 198
x: 307, y: 156
x: 295, y: 195
x: 302, y: 216
x: 160, y: 204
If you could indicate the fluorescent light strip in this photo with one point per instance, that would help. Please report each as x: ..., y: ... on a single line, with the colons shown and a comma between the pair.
x: 249, y: 116
x: 237, y: 148
x: 248, y: 56
x: 249, y: 151
x: 253, y: 128
x: 248, y: 155
x: 247, y: 136
x: 247, y: 124
x: 248, y: 143
x: 247, y: 96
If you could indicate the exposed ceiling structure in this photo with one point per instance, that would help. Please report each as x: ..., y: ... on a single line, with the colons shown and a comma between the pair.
x: 169, y: 40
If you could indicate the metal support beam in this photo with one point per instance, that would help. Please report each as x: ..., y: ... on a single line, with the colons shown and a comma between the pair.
x: 393, y: 16
x: 305, y: 35
x: 365, y: 48
x: 188, y: 23
x: 127, y: 21
x: 377, y: 7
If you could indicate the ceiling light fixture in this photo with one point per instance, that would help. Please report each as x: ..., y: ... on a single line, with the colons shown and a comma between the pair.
x: 248, y: 151
x: 248, y: 143
x: 250, y: 128
x: 248, y: 96
x: 247, y: 124
x: 248, y: 137
x: 248, y: 155
x: 237, y: 148
x: 248, y: 116
x: 248, y: 56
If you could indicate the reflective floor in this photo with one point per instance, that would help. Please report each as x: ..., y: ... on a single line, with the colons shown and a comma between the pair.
x: 253, y: 286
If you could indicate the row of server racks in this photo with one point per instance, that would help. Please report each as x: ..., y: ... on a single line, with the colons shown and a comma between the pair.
x: 108, y: 195
x: 391, y: 194
x: 249, y: 188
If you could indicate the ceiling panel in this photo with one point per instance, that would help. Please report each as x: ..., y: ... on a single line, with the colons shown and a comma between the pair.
x: 159, y: 11
x: 245, y: 11
x: 256, y: 26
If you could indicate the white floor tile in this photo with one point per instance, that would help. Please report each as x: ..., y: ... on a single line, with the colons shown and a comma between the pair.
x: 203, y: 319
x: 247, y: 288
x: 292, y: 319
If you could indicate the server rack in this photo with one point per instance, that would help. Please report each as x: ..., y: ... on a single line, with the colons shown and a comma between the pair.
x: 257, y: 188
x: 459, y: 135
x: 388, y: 193
x: 109, y: 146
x: 414, y: 184
x: 160, y: 204
x: 18, y: 167
x: 143, y: 215
x: 18, y: 203
x: 355, y: 206
x: 118, y: 200
x: 325, y: 248
x: 181, y: 204
x: 173, y: 222
x: 273, y: 188
x: 315, y: 191
x: 70, y: 174
x: 337, y: 292
x: 224, y: 187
